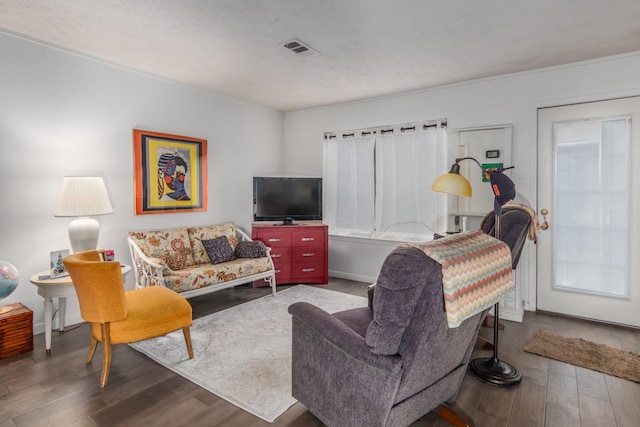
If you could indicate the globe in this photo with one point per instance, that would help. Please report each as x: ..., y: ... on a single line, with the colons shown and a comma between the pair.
x: 9, y: 279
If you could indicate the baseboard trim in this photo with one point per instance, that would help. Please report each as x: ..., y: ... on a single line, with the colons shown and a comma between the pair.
x: 351, y: 276
x: 512, y: 315
x: 69, y: 322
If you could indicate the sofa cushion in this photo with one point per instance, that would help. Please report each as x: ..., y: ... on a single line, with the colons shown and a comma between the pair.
x: 198, y: 234
x: 171, y: 246
x: 165, y: 267
x: 218, y: 249
x: 204, y: 275
x: 250, y: 249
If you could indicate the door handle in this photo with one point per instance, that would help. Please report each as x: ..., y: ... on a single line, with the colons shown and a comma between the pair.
x: 545, y: 223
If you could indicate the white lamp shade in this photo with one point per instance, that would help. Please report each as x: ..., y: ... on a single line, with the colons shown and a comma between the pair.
x: 83, y: 196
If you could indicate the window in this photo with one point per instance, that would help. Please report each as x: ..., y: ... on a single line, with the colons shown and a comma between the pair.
x: 591, y: 194
x: 378, y: 182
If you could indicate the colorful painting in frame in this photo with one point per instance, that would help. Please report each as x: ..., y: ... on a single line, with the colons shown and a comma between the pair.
x: 170, y: 173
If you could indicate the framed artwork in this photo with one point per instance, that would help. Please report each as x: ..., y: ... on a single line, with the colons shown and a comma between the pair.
x: 170, y: 173
x: 489, y: 167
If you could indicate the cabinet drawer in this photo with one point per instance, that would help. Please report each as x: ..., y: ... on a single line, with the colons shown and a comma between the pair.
x: 283, y: 272
x: 275, y: 239
x: 307, y: 269
x: 307, y: 237
x: 279, y: 254
x: 299, y: 252
x: 308, y: 254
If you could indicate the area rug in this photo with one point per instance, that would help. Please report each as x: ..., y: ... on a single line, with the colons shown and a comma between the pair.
x: 586, y: 354
x: 243, y: 353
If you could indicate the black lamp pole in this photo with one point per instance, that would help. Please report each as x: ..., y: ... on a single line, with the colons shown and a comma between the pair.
x: 491, y: 369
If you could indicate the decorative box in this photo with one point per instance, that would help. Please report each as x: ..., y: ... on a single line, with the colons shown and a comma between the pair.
x: 16, y: 331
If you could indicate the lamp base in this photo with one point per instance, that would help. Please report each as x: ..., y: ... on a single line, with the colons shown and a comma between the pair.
x: 83, y: 234
x: 5, y: 309
x: 494, y: 371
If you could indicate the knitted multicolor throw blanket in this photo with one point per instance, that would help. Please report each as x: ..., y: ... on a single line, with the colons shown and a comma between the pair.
x: 476, y: 272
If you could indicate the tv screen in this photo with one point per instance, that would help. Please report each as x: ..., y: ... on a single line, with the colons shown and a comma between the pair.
x: 287, y: 198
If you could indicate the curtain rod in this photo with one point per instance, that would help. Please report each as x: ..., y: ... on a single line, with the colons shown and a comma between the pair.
x: 385, y: 129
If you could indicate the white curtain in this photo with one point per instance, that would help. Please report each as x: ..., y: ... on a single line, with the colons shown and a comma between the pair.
x: 349, y: 185
x: 406, y: 166
x: 377, y: 183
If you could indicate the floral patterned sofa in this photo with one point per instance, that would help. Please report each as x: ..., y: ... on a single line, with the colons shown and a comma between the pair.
x: 178, y: 259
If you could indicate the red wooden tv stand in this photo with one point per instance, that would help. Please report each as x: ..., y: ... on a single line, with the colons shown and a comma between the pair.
x: 299, y: 252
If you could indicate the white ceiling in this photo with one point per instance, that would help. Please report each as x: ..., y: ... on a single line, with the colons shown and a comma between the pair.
x: 367, y: 47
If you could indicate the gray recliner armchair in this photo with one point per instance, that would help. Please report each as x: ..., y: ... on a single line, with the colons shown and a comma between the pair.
x: 387, y: 364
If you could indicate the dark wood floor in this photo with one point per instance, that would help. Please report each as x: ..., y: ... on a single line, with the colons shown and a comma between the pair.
x: 60, y: 390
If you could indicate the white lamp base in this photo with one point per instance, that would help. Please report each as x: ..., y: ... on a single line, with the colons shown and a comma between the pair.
x: 83, y: 234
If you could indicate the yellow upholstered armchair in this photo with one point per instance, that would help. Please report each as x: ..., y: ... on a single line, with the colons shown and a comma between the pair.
x: 118, y: 316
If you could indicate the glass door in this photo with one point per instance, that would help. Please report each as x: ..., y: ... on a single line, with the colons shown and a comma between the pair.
x: 586, y: 175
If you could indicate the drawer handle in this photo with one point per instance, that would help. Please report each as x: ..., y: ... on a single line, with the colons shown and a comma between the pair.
x: 276, y: 255
x: 273, y: 240
x: 308, y: 239
x: 278, y: 271
x: 308, y: 270
x: 308, y: 254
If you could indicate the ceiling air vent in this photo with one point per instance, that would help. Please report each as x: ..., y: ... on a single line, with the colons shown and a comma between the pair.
x: 300, y: 48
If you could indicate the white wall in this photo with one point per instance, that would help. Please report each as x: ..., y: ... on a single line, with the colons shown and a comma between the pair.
x: 511, y: 99
x: 62, y: 114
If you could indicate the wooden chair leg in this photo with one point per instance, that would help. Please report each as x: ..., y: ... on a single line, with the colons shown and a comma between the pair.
x: 106, y: 354
x: 92, y: 349
x: 187, y: 339
x: 455, y: 416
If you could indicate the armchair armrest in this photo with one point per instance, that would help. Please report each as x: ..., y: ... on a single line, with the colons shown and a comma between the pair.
x: 333, y: 371
x: 148, y: 271
x: 340, y: 335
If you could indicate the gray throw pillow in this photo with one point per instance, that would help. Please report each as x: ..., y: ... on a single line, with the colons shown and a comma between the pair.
x: 253, y: 249
x: 218, y: 249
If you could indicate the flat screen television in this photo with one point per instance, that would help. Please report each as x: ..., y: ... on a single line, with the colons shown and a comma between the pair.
x: 287, y: 199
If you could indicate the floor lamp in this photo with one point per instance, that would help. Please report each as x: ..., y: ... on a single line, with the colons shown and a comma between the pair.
x: 489, y: 369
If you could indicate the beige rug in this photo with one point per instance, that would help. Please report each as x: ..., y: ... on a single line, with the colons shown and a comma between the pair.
x: 243, y: 353
x: 586, y: 354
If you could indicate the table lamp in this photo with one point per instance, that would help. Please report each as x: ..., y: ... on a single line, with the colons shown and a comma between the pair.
x: 491, y: 370
x: 83, y: 197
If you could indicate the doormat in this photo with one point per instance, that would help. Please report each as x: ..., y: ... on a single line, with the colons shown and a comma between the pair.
x: 586, y: 354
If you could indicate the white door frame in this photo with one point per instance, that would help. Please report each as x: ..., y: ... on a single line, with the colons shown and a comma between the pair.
x: 530, y: 293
